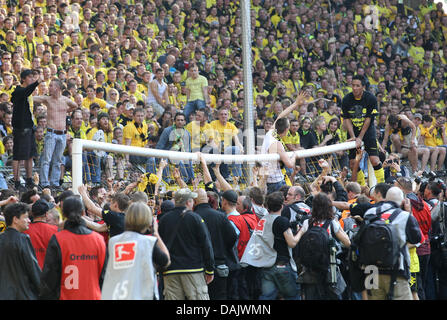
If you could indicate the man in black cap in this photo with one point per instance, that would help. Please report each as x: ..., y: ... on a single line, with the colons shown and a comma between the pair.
x: 223, y: 238
x: 39, y: 230
x: 22, y: 123
x: 237, y: 286
x: 166, y: 206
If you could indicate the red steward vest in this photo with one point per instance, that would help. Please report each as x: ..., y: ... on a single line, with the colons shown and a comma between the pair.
x: 82, y: 262
x: 40, y: 234
x: 241, y: 222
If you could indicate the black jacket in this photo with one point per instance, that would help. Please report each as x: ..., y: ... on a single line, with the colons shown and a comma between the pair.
x: 223, y: 235
x: 191, y: 250
x: 20, y: 271
x: 21, y: 113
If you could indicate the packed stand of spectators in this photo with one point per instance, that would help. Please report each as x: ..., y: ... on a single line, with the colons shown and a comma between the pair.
x: 141, y: 67
x: 168, y: 75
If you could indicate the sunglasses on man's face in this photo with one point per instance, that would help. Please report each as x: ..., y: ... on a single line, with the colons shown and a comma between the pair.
x: 391, y: 161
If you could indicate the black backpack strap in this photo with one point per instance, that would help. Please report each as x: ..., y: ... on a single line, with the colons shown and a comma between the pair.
x: 393, y: 279
x: 326, y: 224
x: 394, y: 214
x: 248, y: 226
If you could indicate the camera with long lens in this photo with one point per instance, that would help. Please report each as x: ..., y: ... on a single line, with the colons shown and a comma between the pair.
x: 432, y: 176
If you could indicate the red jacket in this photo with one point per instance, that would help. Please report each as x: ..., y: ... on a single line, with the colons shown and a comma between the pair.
x: 82, y: 263
x: 242, y: 222
x: 40, y: 234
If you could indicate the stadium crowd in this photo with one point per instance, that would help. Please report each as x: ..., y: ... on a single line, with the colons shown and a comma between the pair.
x: 168, y: 75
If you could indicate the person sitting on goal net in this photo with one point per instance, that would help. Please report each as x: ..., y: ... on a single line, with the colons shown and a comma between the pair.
x: 359, y: 108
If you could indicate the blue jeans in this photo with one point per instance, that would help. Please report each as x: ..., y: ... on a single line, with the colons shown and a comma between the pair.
x: 52, y: 156
x: 236, y: 169
x: 95, y: 169
x: 85, y: 168
x: 3, y: 184
x: 279, y: 279
x: 192, y: 106
x: 149, y: 162
x: 186, y: 171
x: 272, y: 187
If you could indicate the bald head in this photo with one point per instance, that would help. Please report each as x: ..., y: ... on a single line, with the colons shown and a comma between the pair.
x: 202, y: 196
x: 395, y: 195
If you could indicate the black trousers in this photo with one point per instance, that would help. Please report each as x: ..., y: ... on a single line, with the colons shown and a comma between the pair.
x: 217, y: 289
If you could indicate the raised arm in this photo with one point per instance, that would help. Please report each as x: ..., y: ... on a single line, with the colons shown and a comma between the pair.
x: 89, y: 204
x: 300, y: 100
x: 223, y: 183
x: 98, y: 227
x: 40, y: 99
x: 205, y: 170
x: 178, y: 178
x: 162, y: 165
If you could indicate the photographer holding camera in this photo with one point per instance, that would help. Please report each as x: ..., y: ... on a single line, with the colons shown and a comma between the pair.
x: 295, y: 209
x: 393, y: 168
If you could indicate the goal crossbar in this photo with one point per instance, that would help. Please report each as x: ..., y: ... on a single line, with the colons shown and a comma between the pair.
x: 79, y: 145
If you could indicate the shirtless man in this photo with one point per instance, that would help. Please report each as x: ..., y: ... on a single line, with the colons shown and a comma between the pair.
x: 55, y: 139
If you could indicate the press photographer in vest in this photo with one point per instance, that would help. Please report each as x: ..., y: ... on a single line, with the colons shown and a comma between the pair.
x: 270, y: 248
x: 237, y: 287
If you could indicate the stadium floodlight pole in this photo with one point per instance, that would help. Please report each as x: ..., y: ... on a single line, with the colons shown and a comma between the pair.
x: 248, y: 82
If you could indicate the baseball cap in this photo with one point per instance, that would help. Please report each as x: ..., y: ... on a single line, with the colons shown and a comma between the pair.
x: 230, y: 196
x: 40, y: 207
x: 166, y: 206
x: 130, y: 106
x: 418, y: 115
x: 183, y: 195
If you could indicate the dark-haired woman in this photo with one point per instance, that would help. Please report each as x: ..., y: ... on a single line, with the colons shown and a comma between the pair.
x: 322, y: 212
x: 75, y: 259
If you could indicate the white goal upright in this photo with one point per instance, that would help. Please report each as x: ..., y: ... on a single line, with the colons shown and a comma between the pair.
x: 79, y: 145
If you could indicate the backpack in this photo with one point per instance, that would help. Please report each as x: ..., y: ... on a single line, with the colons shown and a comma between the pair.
x: 377, y: 242
x: 314, y: 248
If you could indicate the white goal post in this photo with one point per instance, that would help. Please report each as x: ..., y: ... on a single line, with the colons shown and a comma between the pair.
x: 80, y: 144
